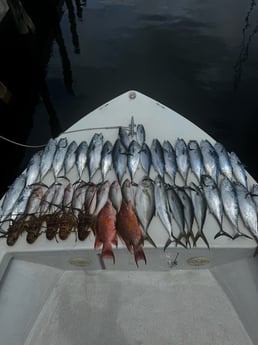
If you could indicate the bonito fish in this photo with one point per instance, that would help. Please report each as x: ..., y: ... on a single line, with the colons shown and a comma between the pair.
x: 157, y: 156
x: 81, y: 158
x: 196, y: 160
x: 210, y: 159
x: 170, y: 160
x: 129, y: 231
x: 119, y: 159
x: 133, y: 159
x: 70, y: 157
x: 224, y: 160
x: 94, y: 154
x: 239, y: 171
x: 145, y: 158
x: 106, y: 233
x: 182, y: 158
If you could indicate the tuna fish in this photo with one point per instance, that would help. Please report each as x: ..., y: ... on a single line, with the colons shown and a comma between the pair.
x: 59, y: 156
x: 224, y: 160
x: 106, y: 159
x: 196, y: 160
x: 210, y: 159
x: 70, y: 157
x: 94, y: 154
x: 157, y: 156
x: 239, y: 171
x: 145, y: 158
x: 133, y: 159
x: 81, y: 158
x: 170, y: 160
x: 119, y: 159
x: 140, y: 134
x: 182, y: 158
x: 47, y: 157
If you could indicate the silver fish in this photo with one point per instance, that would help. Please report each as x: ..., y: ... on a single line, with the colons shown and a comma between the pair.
x: 70, y: 157
x: 145, y: 158
x: 106, y: 159
x: 196, y: 160
x: 57, y: 200
x: 140, y: 134
x: 188, y: 213
x: 34, y: 201
x: 94, y: 154
x: 59, y: 156
x: 247, y: 208
x: 230, y: 204
x: 81, y: 158
x: 12, y: 195
x: 210, y: 159
x: 33, y: 168
x: 127, y: 191
x: 170, y: 160
x: 133, y: 159
x: 124, y: 137
x: 47, y: 157
x: 115, y: 195
x: 145, y: 205
x: 224, y: 160
x: 90, y: 202
x: 254, y: 193
x: 21, y: 203
x: 79, y: 197
x: 239, y: 171
x: 119, y: 159
x: 200, y: 212
x: 213, y: 198
x: 157, y: 157
x: 102, y: 196
x: 177, y: 210
x: 182, y: 158
x: 68, y: 197
x: 162, y: 208
x: 47, y: 199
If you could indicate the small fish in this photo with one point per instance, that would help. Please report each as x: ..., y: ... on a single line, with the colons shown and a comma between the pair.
x: 47, y: 157
x: 140, y: 134
x: 106, y: 233
x: 127, y: 191
x: 70, y: 157
x: 81, y: 158
x: 21, y: 203
x: 213, y: 199
x: 210, y: 159
x: 230, y: 204
x: 106, y: 159
x: 94, y: 154
x: 79, y: 197
x: 200, y: 212
x: 239, y: 171
x: 224, y: 160
x: 59, y: 156
x: 102, y: 196
x: 145, y: 205
x: 133, y: 158
x: 115, y: 195
x: 182, y: 158
x: 124, y: 137
x: 196, y: 160
x: 58, y: 198
x: 157, y: 157
x: 34, y: 201
x: 33, y: 169
x: 47, y: 199
x: 145, y: 158
x: 119, y: 160
x: 90, y: 202
x: 247, y: 208
x: 128, y: 229
x: 170, y: 160
x: 68, y: 197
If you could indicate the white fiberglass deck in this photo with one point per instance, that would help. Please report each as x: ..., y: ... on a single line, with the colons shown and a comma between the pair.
x: 62, y: 293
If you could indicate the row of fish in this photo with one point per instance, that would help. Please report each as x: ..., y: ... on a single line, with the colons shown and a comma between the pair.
x: 110, y: 208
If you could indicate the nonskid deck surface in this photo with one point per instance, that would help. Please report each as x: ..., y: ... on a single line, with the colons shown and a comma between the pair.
x: 96, y: 307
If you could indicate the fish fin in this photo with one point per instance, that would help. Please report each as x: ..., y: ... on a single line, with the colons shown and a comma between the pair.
x: 139, y: 254
x: 114, y: 241
x: 222, y: 233
x: 107, y: 252
x: 97, y: 243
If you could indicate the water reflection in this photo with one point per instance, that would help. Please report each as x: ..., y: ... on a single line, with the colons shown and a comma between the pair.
x: 248, y: 32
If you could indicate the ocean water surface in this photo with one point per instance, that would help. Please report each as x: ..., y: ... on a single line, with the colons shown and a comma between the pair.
x: 197, y: 57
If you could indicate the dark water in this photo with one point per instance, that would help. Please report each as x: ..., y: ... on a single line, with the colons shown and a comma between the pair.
x: 199, y: 58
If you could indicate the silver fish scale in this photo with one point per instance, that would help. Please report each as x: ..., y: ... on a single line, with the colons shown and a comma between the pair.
x: 238, y: 169
x: 210, y: 159
x: 106, y: 159
x: 229, y: 200
x: 70, y: 157
x: 224, y: 160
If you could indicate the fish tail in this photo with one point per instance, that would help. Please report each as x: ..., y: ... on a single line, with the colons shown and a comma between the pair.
x: 222, y: 233
x: 169, y: 241
x: 178, y: 240
x: 241, y: 234
x: 148, y: 238
x: 201, y: 235
x: 107, y: 252
x: 139, y: 254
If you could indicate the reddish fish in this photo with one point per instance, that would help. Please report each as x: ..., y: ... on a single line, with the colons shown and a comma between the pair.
x: 129, y: 230
x: 106, y: 231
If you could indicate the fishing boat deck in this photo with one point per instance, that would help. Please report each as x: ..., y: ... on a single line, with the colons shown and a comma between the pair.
x: 68, y: 294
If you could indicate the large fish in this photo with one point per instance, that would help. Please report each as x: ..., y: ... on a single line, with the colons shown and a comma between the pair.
x: 70, y: 157
x: 47, y: 157
x: 182, y: 159
x: 196, y: 160
x: 247, y: 209
x: 210, y: 159
x: 200, y: 212
x: 129, y: 231
x: 157, y: 157
x: 224, y: 160
x: 213, y: 198
x: 119, y: 159
x: 145, y: 205
x: 133, y: 159
x: 81, y: 158
x: 33, y: 168
x: 94, y: 154
x: 162, y: 208
x: 170, y: 160
x: 145, y: 158
x: 239, y: 171
x: 106, y: 234
x: 106, y: 159
x: 115, y: 195
x: 59, y: 156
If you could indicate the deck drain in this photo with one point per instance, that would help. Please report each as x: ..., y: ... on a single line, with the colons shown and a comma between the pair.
x: 80, y: 262
x: 198, y: 261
